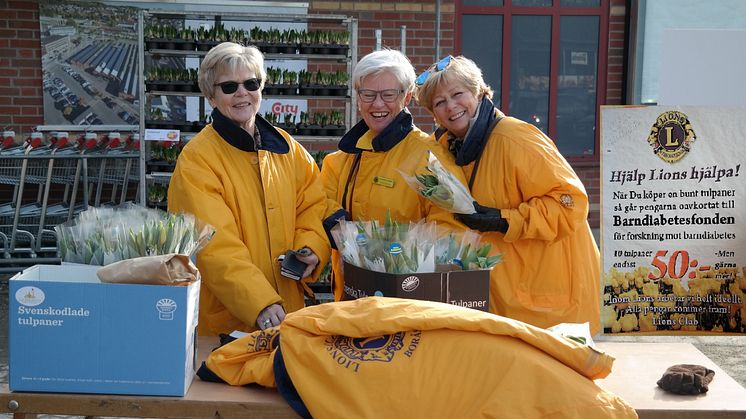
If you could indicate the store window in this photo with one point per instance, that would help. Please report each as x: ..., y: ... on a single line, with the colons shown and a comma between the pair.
x: 580, y: 3
x: 577, y: 84
x: 488, y: 55
x: 529, y: 68
x: 483, y: 2
x: 532, y: 3
x: 542, y: 59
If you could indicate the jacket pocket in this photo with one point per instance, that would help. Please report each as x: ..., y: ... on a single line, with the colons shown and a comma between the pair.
x: 546, y: 282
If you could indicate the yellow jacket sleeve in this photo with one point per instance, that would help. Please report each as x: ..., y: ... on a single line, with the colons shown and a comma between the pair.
x: 548, y: 201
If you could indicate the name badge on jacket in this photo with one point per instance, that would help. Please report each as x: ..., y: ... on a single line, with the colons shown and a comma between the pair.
x: 383, y: 181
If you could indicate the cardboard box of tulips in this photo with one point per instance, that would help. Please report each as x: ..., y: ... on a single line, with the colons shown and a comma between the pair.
x: 415, y: 260
x: 126, y: 286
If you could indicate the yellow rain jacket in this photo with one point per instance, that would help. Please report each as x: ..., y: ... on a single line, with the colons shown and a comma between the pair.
x: 261, y: 203
x: 372, y: 186
x: 381, y: 357
x: 550, y: 271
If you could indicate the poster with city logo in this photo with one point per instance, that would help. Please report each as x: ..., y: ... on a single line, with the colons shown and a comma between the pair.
x: 673, y: 235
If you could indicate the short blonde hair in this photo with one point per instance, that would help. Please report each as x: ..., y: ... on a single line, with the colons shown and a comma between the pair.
x: 228, y: 57
x: 460, y: 69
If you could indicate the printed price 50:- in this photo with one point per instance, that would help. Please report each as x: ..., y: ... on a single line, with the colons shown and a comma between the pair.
x: 677, y: 265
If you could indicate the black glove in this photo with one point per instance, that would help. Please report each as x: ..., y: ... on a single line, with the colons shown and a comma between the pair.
x: 686, y: 379
x: 332, y: 221
x: 485, y: 219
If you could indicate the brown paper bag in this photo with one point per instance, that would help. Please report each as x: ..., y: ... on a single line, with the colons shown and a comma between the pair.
x: 171, y: 269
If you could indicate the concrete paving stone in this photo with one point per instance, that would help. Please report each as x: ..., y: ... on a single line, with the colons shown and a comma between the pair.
x: 728, y: 352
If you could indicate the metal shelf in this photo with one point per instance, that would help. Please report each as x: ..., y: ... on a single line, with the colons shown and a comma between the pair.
x: 347, y: 23
x: 190, y: 53
x: 176, y: 93
x: 251, y: 17
x: 91, y: 128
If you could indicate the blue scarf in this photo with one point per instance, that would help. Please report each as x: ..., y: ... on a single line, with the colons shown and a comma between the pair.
x: 392, y: 135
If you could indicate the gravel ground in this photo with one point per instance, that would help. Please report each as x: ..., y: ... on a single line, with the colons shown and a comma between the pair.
x: 728, y: 352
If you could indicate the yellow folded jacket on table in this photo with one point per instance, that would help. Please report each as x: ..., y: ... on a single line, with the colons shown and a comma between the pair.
x: 384, y: 357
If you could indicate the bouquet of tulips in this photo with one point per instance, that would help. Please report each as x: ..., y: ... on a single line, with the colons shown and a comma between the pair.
x: 392, y: 247
x: 101, y: 236
x: 413, y: 247
x: 465, y: 250
x: 440, y: 186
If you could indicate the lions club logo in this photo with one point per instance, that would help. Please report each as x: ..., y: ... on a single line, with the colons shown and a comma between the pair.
x: 379, y: 348
x: 671, y: 136
x: 265, y: 340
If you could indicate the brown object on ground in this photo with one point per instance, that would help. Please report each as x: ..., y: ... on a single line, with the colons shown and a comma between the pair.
x: 686, y: 379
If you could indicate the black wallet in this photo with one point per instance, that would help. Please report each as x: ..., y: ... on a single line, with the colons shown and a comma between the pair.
x: 291, y: 267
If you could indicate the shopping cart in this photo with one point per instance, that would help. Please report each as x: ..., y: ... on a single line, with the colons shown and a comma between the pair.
x: 53, y: 179
x: 112, y: 171
x: 17, y: 168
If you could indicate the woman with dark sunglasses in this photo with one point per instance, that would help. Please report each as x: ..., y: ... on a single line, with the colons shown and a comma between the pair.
x: 530, y: 203
x: 362, y: 178
x: 259, y: 188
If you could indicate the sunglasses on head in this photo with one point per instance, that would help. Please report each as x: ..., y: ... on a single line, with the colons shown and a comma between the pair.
x: 439, y: 66
x: 230, y: 87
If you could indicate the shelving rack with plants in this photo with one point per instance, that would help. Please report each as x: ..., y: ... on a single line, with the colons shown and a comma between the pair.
x: 328, y: 44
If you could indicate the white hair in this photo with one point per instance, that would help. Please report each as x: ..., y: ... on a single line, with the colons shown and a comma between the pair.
x: 389, y: 60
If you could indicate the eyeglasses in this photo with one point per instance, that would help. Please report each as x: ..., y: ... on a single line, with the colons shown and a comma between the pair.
x: 439, y: 66
x: 230, y: 87
x: 387, y: 95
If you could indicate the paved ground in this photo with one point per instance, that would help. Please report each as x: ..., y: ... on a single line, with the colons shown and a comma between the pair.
x: 728, y: 352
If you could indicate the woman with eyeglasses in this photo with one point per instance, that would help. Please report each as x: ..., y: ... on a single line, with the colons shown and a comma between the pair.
x: 361, y: 179
x: 259, y: 188
x: 530, y: 203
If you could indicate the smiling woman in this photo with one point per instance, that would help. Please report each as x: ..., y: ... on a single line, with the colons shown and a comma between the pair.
x: 531, y: 204
x: 362, y: 179
x: 259, y: 188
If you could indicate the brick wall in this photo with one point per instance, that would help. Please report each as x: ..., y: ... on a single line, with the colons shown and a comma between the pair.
x: 615, y: 78
x: 615, y: 71
x: 20, y: 66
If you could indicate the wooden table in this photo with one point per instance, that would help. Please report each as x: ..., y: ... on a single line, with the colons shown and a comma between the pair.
x: 637, y: 368
x: 203, y: 400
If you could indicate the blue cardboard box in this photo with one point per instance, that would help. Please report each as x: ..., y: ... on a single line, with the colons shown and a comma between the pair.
x: 71, y: 333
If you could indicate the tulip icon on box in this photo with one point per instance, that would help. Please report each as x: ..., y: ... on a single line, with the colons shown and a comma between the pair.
x: 166, y: 308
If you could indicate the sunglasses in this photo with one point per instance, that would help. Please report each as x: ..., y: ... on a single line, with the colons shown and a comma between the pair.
x: 439, y: 66
x: 369, y: 96
x: 230, y: 87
